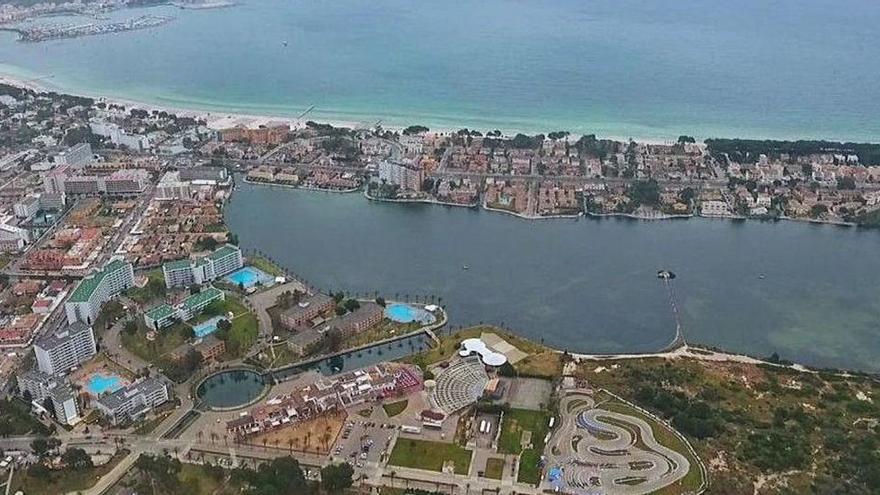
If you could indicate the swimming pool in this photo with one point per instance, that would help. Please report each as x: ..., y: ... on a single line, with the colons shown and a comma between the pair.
x: 100, y: 383
x: 207, y: 327
x: 249, y: 277
x: 404, y: 313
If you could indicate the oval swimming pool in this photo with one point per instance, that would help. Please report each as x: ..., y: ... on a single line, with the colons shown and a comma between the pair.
x: 231, y: 388
x: 404, y: 313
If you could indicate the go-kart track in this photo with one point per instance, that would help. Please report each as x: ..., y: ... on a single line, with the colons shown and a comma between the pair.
x: 595, y: 451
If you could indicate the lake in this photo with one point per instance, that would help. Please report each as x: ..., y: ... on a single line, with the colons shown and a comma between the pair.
x: 809, y: 292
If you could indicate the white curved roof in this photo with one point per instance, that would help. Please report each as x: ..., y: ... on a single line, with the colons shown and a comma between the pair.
x: 489, y: 357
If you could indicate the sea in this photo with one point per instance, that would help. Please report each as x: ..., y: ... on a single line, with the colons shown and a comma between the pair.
x: 650, y: 69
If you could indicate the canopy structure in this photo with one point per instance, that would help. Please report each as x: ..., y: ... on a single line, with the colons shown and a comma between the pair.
x: 487, y: 355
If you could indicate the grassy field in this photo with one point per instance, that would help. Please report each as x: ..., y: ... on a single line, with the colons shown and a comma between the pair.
x: 428, y: 455
x: 154, y: 351
x: 63, y: 481
x: 394, y: 408
x: 265, y: 265
x: 153, y: 291
x: 514, y: 424
x: 494, y: 468
x: 384, y: 330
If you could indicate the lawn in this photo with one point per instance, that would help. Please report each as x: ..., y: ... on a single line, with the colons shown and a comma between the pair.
x: 517, y: 421
x: 154, y: 289
x: 429, y: 455
x: 266, y: 266
x: 694, y: 478
x: 384, y: 330
x: 16, y: 420
x: 494, y: 468
x: 394, y: 408
x: 514, y: 424
x: 245, y: 330
x: 153, y: 351
x: 64, y: 480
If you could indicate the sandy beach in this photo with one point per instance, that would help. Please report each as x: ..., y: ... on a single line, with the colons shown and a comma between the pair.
x: 226, y: 119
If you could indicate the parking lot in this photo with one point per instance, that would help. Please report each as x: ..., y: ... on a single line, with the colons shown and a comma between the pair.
x: 363, y: 441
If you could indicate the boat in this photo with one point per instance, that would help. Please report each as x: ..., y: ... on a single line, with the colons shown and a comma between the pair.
x: 465, y: 267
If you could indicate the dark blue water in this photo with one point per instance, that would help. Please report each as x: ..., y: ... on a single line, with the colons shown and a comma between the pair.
x: 805, y: 291
x: 348, y: 361
x: 231, y: 388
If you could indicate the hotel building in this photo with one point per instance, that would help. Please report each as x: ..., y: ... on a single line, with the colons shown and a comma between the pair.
x: 41, y: 386
x: 164, y: 315
x: 221, y: 262
x: 134, y: 401
x: 92, y: 292
x: 63, y: 349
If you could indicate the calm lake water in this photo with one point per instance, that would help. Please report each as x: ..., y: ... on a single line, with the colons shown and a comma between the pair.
x: 640, y: 68
x: 588, y: 285
x: 231, y: 388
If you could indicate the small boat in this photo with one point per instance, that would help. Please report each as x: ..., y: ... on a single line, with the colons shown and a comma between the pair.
x: 761, y: 277
x: 465, y: 267
x: 285, y: 43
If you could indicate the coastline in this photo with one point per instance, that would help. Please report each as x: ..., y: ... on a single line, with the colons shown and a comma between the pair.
x: 304, y: 188
x: 224, y: 118
x: 229, y: 119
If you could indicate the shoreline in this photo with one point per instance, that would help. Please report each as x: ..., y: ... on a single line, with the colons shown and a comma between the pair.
x: 218, y: 119
x: 304, y: 188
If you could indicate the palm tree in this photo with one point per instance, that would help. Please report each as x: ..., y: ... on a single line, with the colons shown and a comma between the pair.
x: 290, y: 445
x: 200, y: 434
x: 265, y: 441
x: 214, y: 437
x: 225, y: 439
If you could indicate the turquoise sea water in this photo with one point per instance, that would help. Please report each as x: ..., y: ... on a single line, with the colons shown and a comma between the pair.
x: 642, y: 68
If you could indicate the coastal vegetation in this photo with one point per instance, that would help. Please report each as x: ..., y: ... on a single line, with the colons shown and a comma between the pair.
x: 750, y: 150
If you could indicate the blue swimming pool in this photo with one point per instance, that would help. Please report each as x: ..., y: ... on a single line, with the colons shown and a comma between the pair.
x: 207, y: 327
x: 404, y: 313
x: 249, y: 277
x: 100, y: 383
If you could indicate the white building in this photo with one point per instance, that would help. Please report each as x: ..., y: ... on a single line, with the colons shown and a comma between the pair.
x: 221, y: 262
x: 408, y: 176
x: 170, y: 187
x: 77, y: 155
x: 27, y: 207
x: 12, y: 237
x: 119, y: 137
x: 165, y: 315
x: 65, y: 348
x: 41, y: 386
x: 134, y: 401
x: 91, y: 293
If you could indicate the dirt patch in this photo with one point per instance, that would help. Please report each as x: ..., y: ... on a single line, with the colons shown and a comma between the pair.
x: 314, y: 435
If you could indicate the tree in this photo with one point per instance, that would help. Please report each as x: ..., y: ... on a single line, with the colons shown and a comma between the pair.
x: 351, y: 305
x: 41, y: 446
x: 76, y: 458
x: 336, y: 477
